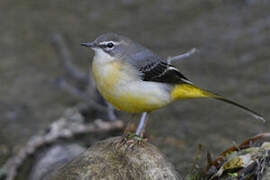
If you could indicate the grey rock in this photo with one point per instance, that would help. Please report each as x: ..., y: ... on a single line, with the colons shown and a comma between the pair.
x: 102, y: 161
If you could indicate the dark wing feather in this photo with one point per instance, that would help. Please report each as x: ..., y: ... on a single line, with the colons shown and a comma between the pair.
x: 162, y: 72
x: 153, y: 67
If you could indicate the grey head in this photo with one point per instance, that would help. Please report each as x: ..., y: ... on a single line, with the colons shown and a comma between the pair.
x: 121, y: 47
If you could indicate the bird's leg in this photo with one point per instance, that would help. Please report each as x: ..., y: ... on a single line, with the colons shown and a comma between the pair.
x: 141, y: 125
x: 131, y: 139
x: 137, y: 138
x: 126, y: 135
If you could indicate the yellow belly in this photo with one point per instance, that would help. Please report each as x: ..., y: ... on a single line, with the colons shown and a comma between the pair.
x: 121, y: 87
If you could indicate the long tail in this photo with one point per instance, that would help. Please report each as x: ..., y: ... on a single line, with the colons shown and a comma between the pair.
x: 185, y: 91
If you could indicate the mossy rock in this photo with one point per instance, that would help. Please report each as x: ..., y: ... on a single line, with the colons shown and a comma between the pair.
x: 101, y: 161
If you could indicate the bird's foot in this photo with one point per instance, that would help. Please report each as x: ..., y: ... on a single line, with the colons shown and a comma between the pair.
x: 135, y: 141
x: 130, y: 140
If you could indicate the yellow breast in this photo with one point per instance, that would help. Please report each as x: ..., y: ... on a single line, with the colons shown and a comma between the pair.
x: 120, y: 86
x: 106, y: 76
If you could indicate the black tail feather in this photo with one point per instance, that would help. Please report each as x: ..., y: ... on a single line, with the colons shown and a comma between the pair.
x: 249, y: 111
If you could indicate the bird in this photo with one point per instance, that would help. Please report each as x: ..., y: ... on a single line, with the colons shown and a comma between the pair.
x: 134, y: 79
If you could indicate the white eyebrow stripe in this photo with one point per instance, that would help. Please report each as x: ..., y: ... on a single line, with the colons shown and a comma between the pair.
x: 106, y: 42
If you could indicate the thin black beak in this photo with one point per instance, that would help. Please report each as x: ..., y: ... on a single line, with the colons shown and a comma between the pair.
x: 88, y: 44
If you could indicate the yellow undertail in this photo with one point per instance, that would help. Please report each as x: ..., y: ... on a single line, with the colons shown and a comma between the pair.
x: 186, y: 91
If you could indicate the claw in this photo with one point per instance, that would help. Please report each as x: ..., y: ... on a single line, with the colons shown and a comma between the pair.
x: 117, y: 145
x: 130, y: 140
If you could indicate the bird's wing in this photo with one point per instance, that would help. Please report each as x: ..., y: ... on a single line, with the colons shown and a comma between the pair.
x: 151, y: 67
x: 160, y: 71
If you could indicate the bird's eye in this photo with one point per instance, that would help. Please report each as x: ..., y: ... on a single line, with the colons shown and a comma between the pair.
x: 110, y: 45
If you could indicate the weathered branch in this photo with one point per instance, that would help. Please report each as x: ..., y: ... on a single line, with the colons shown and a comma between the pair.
x: 66, y: 58
x: 182, y: 56
x: 83, y: 95
x: 70, y: 125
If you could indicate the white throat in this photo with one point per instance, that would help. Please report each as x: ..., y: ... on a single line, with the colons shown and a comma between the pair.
x: 101, y: 56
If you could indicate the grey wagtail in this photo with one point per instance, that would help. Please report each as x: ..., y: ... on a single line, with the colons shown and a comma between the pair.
x: 134, y: 79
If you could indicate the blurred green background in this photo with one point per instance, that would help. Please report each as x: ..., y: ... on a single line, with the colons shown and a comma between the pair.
x: 233, y: 38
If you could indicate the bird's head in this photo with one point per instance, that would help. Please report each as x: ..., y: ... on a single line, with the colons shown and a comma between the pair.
x: 114, y: 45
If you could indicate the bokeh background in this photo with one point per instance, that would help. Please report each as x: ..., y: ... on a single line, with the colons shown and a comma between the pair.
x: 233, y: 38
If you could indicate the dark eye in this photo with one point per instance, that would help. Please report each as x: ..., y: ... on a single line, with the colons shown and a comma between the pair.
x: 110, y: 45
